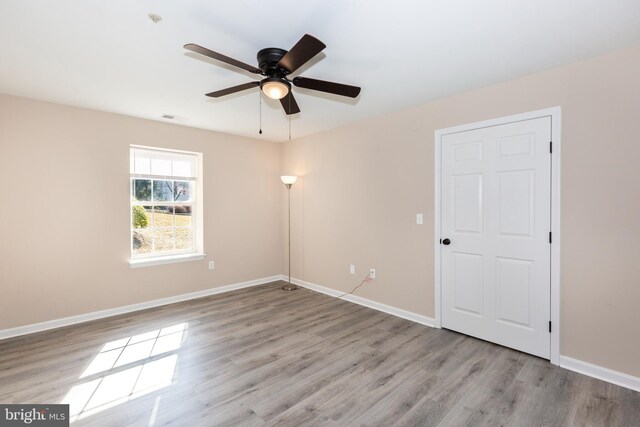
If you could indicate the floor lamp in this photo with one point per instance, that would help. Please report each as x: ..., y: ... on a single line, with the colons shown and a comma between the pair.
x: 288, y: 181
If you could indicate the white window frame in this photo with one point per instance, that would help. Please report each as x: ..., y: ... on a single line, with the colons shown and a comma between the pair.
x: 197, y: 250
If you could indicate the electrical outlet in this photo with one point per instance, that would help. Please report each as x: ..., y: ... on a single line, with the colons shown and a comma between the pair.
x: 372, y: 273
x: 419, y: 219
x: 352, y: 269
x: 211, y: 265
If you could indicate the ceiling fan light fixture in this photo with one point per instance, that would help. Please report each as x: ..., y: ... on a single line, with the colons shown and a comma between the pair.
x: 275, y: 88
x: 276, y: 65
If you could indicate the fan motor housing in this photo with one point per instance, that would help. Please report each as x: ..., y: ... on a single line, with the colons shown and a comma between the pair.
x: 268, y: 59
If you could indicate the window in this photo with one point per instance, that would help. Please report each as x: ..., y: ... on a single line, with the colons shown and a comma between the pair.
x: 165, y: 203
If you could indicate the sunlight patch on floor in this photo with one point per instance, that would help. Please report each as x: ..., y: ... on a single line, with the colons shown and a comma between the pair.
x: 125, y: 369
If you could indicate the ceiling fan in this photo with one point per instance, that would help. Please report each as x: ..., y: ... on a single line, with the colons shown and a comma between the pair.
x: 276, y: 64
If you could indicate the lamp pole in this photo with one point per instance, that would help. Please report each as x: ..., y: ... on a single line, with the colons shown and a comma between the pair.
x: 288, y: 182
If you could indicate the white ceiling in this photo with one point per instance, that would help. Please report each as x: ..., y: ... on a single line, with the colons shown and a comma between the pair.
x: 108, y: 55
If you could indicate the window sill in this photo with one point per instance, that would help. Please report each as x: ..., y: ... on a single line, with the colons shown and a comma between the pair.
x: 148, y: 262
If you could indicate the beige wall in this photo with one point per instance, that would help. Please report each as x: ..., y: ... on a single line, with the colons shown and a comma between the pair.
x: 362, y: 185
x: 64, y: 222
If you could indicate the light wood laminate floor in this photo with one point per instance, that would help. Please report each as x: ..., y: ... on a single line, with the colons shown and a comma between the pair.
x: 262, y: 356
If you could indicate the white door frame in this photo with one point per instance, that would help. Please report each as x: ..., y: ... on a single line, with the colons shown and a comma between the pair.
x: 555, y: 115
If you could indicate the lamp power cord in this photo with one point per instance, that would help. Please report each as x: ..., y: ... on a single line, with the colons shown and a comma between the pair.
x: 367, y: 279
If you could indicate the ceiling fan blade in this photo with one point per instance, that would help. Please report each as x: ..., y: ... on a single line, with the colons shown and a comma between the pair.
x: 306, y: 48
x: 233, y: 89
x: 329, y: 87
x: 289, y: 104
x: 220, y: 57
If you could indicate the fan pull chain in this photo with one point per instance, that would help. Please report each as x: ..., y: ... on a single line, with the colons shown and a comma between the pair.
x: 290, y: 96
x: 260, y: 96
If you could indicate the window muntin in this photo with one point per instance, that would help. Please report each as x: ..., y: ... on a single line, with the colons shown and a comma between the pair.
x: 163, y: 193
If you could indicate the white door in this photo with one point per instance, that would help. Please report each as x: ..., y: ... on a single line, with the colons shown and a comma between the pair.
x: 496, y: 213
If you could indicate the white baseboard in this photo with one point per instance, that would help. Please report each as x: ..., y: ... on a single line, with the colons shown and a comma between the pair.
x: 414, y: 317
x: 604, y: 374
x: 72, y: 320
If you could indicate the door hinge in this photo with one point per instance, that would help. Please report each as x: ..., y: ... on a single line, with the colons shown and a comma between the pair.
x: 549, y: 326
x: 549, y: 237
x: 551, y: 146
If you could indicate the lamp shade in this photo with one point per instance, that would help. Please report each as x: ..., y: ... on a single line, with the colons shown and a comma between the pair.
x: 274, y: 88
x: 289, y: 179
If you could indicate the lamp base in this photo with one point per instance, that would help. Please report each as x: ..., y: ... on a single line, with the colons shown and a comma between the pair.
x: 289, y: 287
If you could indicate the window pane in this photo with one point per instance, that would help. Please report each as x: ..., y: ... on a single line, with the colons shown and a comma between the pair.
x: 183, y: 238
x: 160, y: 166
x: 141, y: 216
x: 163, y: 239
x: 142, y: 163
x: 163, y: 216
x: 165, y: 163
x: 183, y: 216
x: 162, y: 190
x: 142, y: 241
x: 182, y: 191
x: 184, y: 167
x: 142, y: 190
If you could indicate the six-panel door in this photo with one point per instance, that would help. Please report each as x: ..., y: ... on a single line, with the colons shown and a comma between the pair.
x: 496, y: 212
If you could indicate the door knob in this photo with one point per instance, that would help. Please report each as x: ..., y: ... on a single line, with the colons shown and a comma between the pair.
x: 446, y: 242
